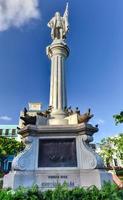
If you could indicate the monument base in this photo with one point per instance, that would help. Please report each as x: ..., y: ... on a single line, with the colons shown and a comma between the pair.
x: 57, y: 154
x: 95, y: 177
x: 49, y: 179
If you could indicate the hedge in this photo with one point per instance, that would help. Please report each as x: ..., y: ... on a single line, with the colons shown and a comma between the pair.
x: 108, y: 192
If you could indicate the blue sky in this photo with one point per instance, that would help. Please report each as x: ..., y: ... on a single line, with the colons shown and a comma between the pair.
x: 94, y: 68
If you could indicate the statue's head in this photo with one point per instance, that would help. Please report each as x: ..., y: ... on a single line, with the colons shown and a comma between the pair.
x: 57, y: 14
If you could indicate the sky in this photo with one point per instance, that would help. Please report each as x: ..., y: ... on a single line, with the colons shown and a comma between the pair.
x: 94, y: 69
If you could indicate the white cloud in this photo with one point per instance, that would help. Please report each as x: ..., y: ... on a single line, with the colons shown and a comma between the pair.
x: 100, y: 121
x: 17, y: 12
x: 5, y: 118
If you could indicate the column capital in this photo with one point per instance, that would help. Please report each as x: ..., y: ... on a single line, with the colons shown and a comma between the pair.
x: 57, y: 48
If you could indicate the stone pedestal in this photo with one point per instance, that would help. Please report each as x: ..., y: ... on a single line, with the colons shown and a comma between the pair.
x: 49, y: 179
x: 57, y: 154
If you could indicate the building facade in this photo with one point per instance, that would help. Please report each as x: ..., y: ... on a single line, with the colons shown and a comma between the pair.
x: 9, y: 131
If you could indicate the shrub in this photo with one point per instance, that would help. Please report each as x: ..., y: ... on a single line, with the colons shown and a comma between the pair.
x: 107, y: 192
x: 1, y: 183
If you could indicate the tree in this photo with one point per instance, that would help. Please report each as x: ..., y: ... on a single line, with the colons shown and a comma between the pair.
x: 111, y: 147
x: 107, y: 150
x: 119, y: 144
x: 10, y: 147
x: 119, y: 140
x: 118, y: 118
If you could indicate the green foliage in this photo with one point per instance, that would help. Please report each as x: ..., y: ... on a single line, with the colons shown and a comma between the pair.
x: 107, y: 149
x: 77, y: 194
x: 118, y: 118
x: 1, y: 183
x: 107, y: 192
x: 111, y: 192
x: 61, y: 192
x: 9, y: 146
x: 110, y: 146
x: 119, y: 172
x: 22, y: 194
x: 1, y: 174
x: 119, y: 145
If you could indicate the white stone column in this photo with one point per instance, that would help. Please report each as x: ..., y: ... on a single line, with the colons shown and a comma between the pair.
x: 58, y: 52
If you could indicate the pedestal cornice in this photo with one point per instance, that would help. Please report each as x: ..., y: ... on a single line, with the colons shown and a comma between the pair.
x: 81, y: 129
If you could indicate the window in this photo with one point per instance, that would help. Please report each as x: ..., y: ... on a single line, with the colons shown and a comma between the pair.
x: 6, y: 132
x: 13, y: 132
x: 0, y: 131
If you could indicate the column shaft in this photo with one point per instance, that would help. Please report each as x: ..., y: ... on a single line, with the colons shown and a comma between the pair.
x: 58, y: 53
x: 51, y: 82
x: 60, y: 94
x: 57, y: 83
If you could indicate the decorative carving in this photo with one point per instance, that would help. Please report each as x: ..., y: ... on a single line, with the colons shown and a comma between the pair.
x: 68, y: 110
x: 46, y: 113
x: 85, y: 117
x: 81, y: 117
x: 77, y: 111
x: 54, y: 157
x: 23, y: 160
x: 91, y: 160
x: 27, y: 118
x: 59, y: 25
x: 97, y: 125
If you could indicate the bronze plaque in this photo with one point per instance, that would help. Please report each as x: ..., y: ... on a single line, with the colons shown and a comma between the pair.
x: 57, y: 153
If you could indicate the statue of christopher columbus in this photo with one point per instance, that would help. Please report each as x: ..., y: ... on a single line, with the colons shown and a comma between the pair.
x: 59, y: 25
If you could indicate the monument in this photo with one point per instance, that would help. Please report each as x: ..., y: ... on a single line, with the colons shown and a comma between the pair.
x: 57, y: 140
